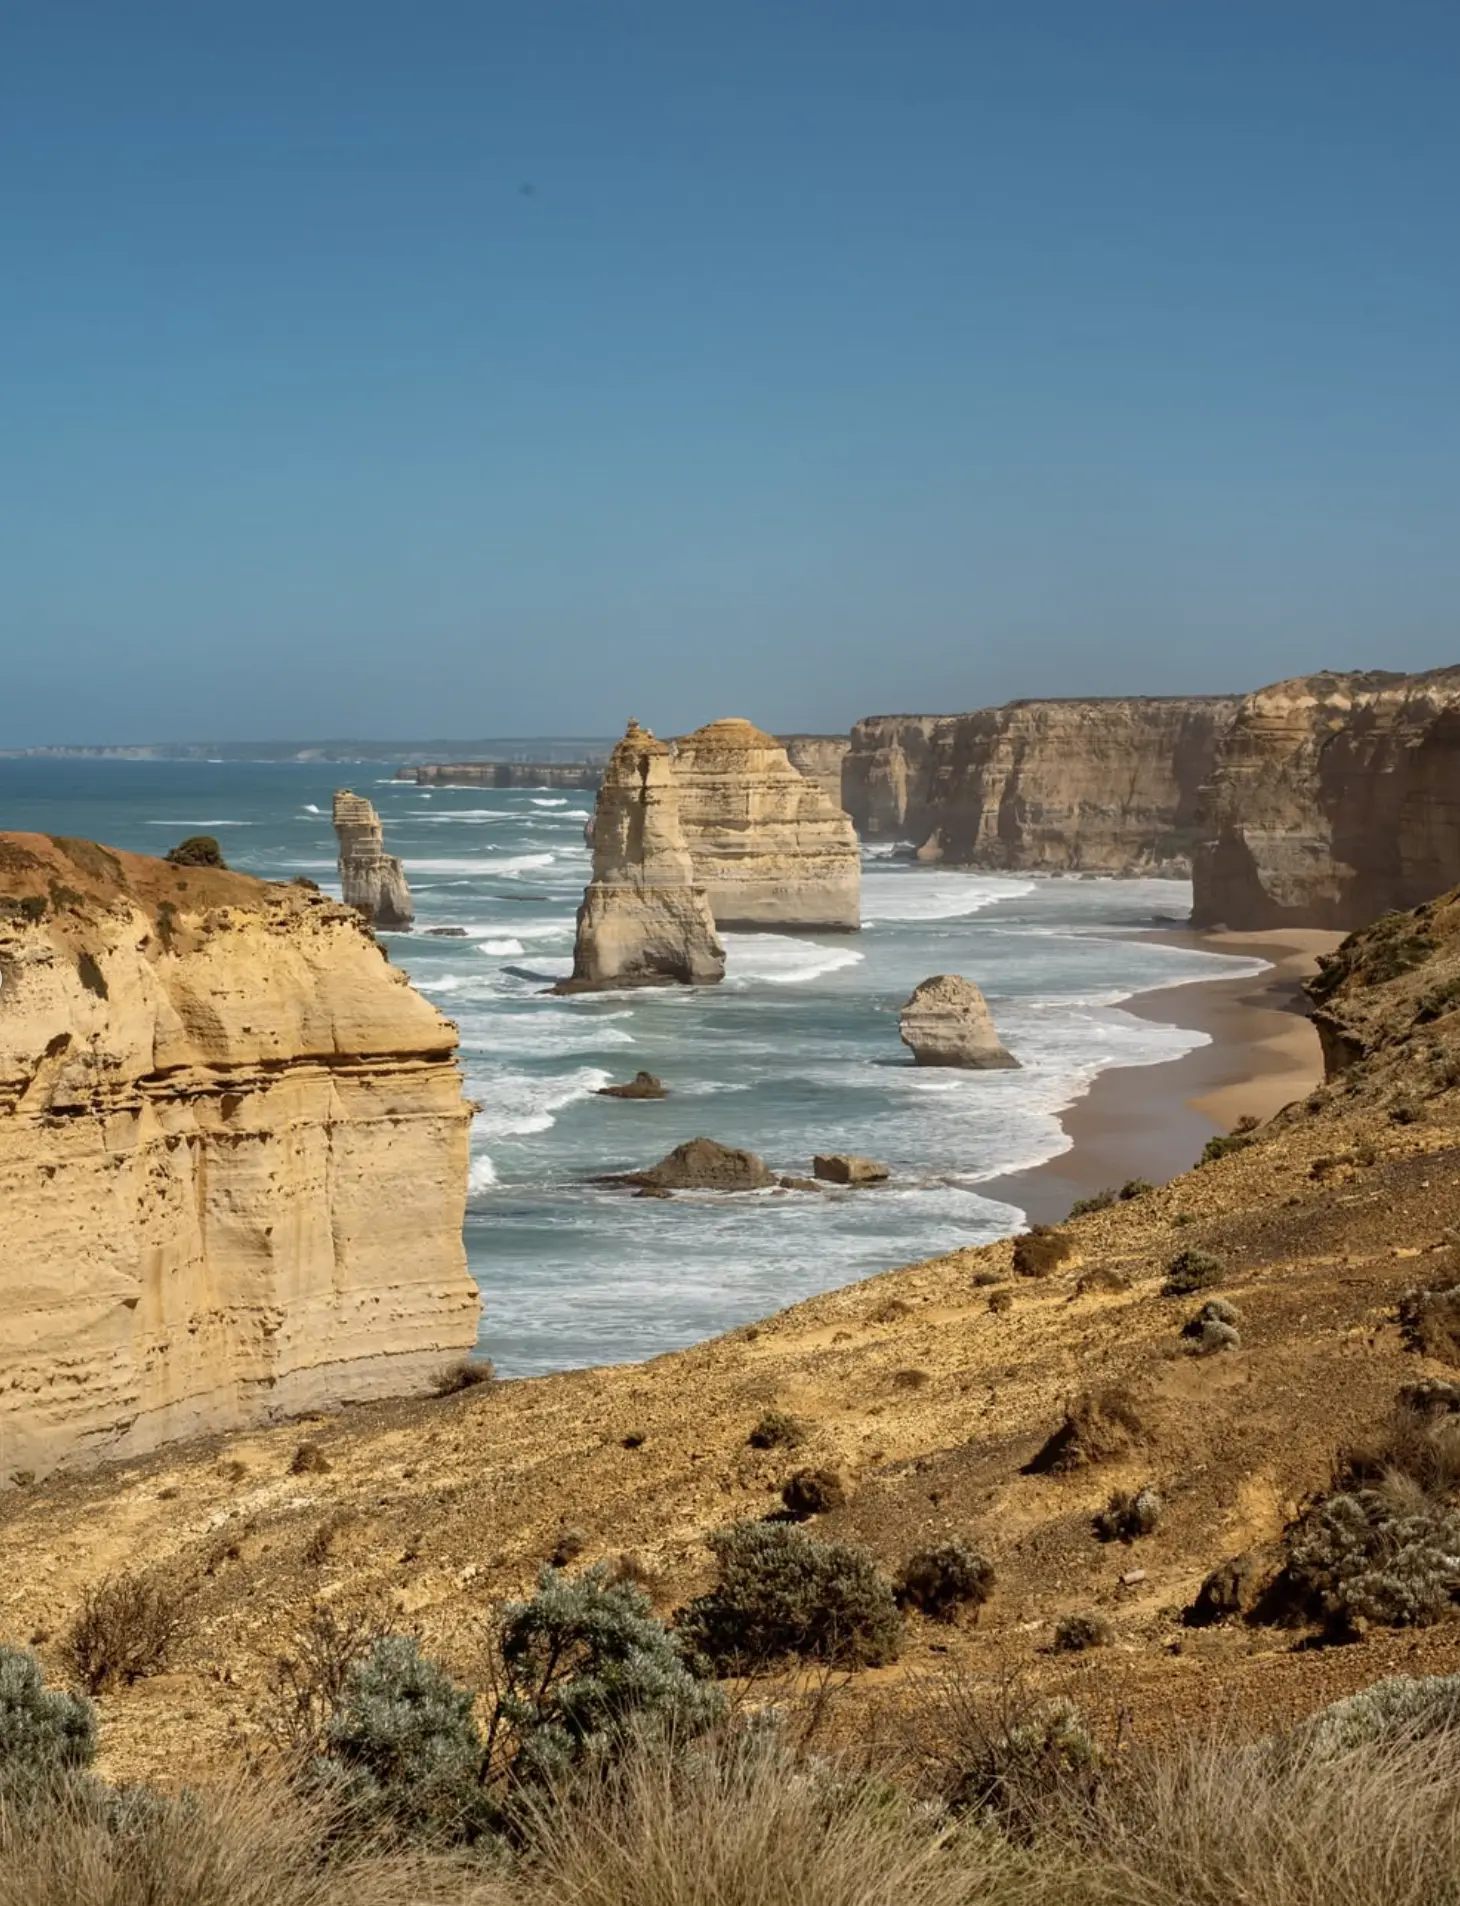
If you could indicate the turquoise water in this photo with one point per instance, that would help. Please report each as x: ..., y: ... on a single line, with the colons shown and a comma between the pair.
x: 796, y: 1052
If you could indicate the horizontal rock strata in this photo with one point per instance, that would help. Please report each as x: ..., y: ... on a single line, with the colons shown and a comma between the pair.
x: 233, y: 1157
x: 1333, y: 799
x: 769, y: 847
x: 819, y: 758
x: 645, y: 919
x: 1106, y: 787
x: 371, y: 881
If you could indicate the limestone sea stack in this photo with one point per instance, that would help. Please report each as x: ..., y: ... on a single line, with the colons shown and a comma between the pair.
x: 645, y: 919
x: 372, y: 881
x: 947, y: 1023
x: 233, y: 1157
x: 771, y: 849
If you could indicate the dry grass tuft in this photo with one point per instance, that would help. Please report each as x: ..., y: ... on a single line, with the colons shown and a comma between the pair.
x: 125, y: 1629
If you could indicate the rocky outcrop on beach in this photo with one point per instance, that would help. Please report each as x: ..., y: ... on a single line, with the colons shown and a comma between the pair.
x: 1333, y: 799
x: 770, y: 848
x: 819, y: 758
x: 233, y: 1157
x: 372, y: 881
x: 704, y: 1164
x: 645, y: 919
x: 1106, y: 787
x: 504, y: 774
x: 947, y: 1022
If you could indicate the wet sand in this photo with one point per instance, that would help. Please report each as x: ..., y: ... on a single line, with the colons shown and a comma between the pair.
x: 1152, y: 1121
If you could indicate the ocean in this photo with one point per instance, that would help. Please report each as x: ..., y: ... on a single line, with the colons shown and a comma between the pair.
x: 796, y: 1052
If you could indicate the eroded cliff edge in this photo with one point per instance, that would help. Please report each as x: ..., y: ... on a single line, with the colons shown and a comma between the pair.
x: 1333, y: 798
x: 1109, y: 786
x: 233, y: 1157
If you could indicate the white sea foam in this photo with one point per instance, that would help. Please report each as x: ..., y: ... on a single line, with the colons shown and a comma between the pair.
x: 510, y: 949
x: 549, y: 800
x: 310, y: 807
x: 510, y: 867
x: 781, y: 960
x: 481, y: 1175
x: 541, y: 1032
x: 913, y: 897
x: 518, y: 1104
x: 201, y: 823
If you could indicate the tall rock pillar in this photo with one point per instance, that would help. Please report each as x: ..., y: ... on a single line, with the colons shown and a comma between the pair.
x: 644, y: 921
x: 372, y: 881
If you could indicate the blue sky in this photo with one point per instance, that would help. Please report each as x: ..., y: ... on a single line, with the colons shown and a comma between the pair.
x: 441, y: 368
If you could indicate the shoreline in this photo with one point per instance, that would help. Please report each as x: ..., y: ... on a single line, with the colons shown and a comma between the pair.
x: 1152, y: 1121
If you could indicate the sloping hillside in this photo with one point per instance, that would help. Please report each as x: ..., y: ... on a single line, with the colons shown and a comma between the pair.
x: 931, y: 1390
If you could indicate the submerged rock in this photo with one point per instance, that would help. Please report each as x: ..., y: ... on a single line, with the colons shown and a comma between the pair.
x: 703, y: 1164
x: 947, y: 1023
x: 644, y: 920
x: 643, y: 1085
x: 846, y: 1168
x: 372, y: 881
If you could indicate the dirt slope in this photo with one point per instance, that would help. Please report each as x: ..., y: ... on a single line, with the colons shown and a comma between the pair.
x: 929, y: 1401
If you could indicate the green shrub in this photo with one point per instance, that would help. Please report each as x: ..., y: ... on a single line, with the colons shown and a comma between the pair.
x: 1192, y: 1270
x: 1223, y: 1145
x: 1020, y: 1762
x: 1365, y: 1556
x: 1097, y: 1201
x: 777, y: 1430
x: 782, y: 1594
x: 1214, y: 1328
x: 1135, y: 1188
x: 813, y: 1492
x: 1040, y: 1251
x: 1401, y: 1707
x: 44, y: 1734
x: 198, y: 850
x: 941, y: 1580
x: 402, y: 1749
x: 587, y: 1667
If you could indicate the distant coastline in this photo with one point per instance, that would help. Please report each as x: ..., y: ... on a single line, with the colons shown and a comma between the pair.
x: 405, y: 752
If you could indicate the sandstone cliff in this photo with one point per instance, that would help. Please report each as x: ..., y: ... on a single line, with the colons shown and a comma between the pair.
x: 1067, y: 786
x: 372, y: 881
x: 887, y: 775
x: 770, y: 848
x: 505, y: 774
x: 1333, y: 798
x: 233, y: 1155
x: 645, y: 919
x: 819, y: 758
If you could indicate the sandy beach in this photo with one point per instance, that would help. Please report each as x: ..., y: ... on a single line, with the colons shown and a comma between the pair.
x: 1152, y: 1121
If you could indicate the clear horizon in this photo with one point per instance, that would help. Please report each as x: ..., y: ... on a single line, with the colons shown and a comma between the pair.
x: 365, y: 365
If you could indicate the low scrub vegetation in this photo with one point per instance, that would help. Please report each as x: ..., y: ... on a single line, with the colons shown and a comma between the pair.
x: 1190, y: 1271
x: 1040, y: 1252
x: 945, y: 1580
x: 782, y: 1595
x: 1098, y: 1427
x: 126, y: 1628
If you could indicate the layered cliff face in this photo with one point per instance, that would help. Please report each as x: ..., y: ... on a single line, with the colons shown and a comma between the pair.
x: 771, y: 849
x: 1333, y: 799
x: 372, y: 881
x: 818, y: 758
x: 233, y: 1157
x: 645, y: 919
x: 505, y: 774
x: 1068, y: 786
x: 887, y: 775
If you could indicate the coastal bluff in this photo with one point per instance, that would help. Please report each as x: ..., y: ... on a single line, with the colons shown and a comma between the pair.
x: 233, y: 1158
x: 1333, y: 798
x: 770, y: 847
x: 1099, y: 786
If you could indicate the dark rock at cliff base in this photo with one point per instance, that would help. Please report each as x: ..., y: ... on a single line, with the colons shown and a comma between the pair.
x: 446, y: 933
x: 845, y: 1168
x: 799, y: 1184
x: 643, y: 1085
x: 702, y: 1164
